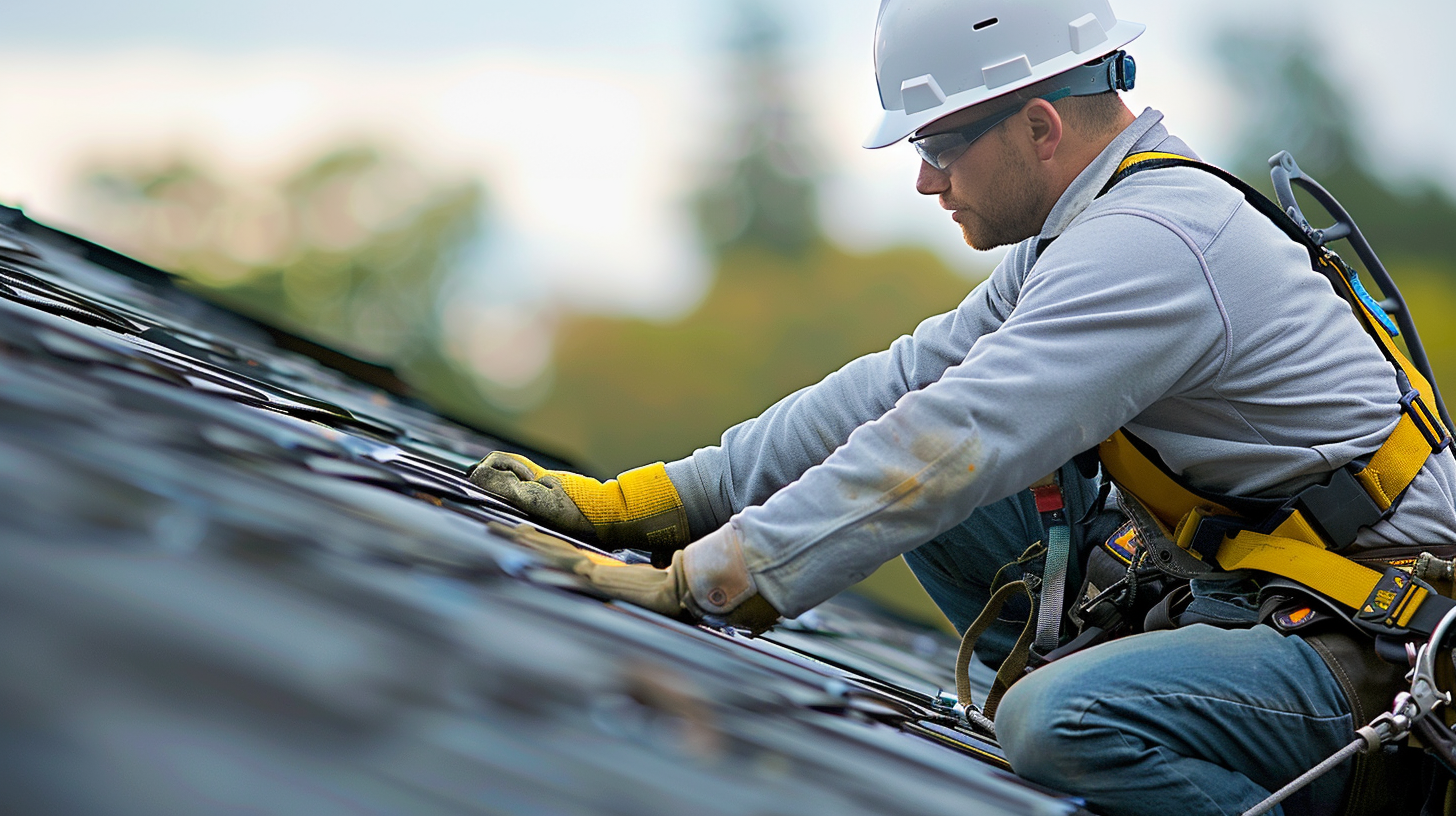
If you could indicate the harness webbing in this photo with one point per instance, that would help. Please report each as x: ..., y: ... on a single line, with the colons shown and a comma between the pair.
x: 1419, y: 431
x: 1294, y: 549
x: 1052, y: 508
x: 1015, y: 663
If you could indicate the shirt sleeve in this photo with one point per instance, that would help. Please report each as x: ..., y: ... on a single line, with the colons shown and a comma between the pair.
x: 759, y: 457
x: 1119, y: 312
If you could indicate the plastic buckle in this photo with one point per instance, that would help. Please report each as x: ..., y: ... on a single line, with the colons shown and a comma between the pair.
x: 1338, y: 509
x: 1425, y: 419
x: 1208, y: 535
x: 1387, y: 602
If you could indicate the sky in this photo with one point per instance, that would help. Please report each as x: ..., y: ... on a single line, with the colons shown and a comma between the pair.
x: 591, y: 123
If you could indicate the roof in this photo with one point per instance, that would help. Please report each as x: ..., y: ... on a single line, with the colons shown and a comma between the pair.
x: 242, y: 572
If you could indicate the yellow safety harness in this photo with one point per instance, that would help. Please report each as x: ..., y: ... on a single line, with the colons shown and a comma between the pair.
x: 1191, y: 532
x: 1299, y: 539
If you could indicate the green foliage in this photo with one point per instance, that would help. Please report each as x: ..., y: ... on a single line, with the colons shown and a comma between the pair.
x: 631, y: 391
x: 765, y: 196
x: 1430, y: 292
x: 1298, y: 106
x: 1295, y: 104
x: 350, y: 250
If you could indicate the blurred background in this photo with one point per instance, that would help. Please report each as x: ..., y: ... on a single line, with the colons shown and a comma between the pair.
x: 613, y: 230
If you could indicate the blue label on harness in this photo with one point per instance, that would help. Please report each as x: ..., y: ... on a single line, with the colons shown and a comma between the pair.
x: 1124, y: 543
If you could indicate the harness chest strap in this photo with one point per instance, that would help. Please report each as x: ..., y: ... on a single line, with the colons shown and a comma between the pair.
x: 1294, y: 549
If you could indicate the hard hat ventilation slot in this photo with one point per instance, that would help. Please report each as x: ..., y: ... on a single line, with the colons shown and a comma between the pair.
x: 985, y: 23
x: 1006, y: 72
x: 921, y: 93
x: 1086, y: 33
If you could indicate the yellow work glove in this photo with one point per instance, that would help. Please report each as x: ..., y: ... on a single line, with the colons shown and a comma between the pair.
x: 638, y: 509
x: 665, y: 591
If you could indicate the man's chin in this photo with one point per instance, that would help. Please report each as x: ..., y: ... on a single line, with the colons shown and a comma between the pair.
x: 980, y: 241
x: 983, y: 238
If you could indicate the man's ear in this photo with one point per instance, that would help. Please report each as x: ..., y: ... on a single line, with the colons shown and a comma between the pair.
x: 1046, y: 128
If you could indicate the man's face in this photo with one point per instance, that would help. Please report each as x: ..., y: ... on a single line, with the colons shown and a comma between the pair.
x: 992, y: 190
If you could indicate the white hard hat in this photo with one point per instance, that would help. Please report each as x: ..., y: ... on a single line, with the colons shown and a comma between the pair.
x: 935, y: 57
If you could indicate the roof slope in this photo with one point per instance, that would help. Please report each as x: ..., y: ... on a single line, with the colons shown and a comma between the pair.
x: 240, y: 572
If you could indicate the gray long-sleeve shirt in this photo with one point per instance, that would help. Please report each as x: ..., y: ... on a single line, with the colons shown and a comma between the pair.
x: 1169, y: 306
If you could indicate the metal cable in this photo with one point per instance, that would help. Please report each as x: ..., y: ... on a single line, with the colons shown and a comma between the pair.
x: 980, y: 721
x: 1306, y: 778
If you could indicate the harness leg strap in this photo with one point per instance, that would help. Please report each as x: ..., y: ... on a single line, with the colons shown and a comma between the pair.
x: 1050, y: 505
x: 1015, y: 664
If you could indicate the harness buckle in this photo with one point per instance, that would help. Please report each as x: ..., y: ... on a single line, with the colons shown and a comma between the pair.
x: 1426, y: 420
x: 1338, y: 509
x: 1391, y: 604
x: 1202, y: 534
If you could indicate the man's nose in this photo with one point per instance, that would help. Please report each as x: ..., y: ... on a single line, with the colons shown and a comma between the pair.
x: 931, y: 181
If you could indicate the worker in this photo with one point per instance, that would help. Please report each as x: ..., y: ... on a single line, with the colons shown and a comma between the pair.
x: 1161, y: 304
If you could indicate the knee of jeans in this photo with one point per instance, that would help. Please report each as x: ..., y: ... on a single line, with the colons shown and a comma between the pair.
x: 1037, y: 726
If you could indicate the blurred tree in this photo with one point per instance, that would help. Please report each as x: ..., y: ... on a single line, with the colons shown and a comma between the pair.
x: 764, y: 196
x: 1295, y: 103
x: 785, y: 308
x: 351, y: 250
x: 631, y: 391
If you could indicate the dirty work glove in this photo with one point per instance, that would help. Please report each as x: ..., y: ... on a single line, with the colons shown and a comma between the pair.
x: 666, y: 591
x: 639, y: 509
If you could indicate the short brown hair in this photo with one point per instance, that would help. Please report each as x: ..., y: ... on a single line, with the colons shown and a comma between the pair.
x: 1091, y: 116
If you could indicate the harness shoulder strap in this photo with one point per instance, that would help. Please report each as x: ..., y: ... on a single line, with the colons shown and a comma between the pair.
x: 1287, y: 543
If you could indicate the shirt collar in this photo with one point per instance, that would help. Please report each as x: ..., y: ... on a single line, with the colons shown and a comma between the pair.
x: 1144, y: 133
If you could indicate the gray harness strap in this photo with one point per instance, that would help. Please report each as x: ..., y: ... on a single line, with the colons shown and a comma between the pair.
x: 1058, y: 533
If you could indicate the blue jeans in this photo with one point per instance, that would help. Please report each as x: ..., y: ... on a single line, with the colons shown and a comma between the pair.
x: 1197, y: 720
x: 959, y: 567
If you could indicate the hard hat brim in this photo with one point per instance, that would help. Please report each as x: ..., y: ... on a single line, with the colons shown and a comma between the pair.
x: 896, y: 124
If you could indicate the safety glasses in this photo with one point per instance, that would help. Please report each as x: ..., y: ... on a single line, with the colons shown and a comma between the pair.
x: 940, y: 150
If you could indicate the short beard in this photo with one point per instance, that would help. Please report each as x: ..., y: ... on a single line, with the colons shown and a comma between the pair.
x: 1018, y: 214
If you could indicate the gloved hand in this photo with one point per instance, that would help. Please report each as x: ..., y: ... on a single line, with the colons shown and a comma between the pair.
x: 639, y: 509
x: 666, y: 591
